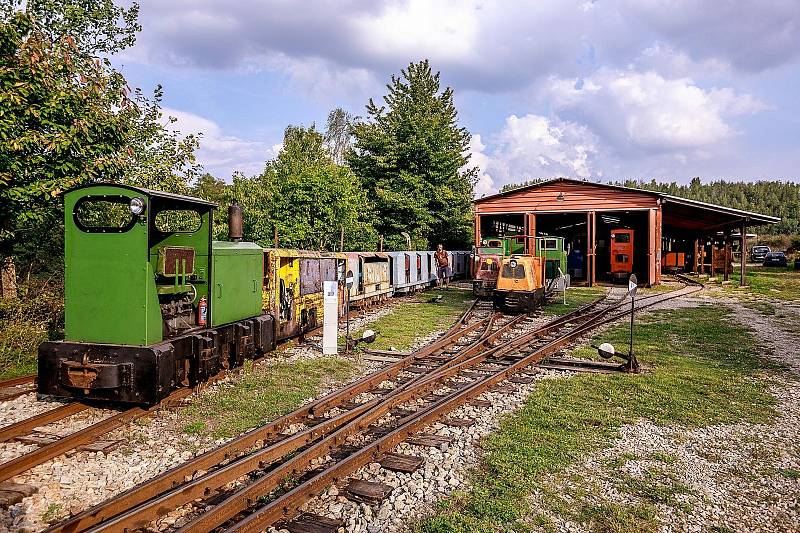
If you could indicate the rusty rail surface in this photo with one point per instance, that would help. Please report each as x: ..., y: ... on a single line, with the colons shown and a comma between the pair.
x: 10, y: 390
x: 245, y: 442
x: 287, y: 505
x: 22, y: 380
x: 204, y: 485
x: 23, y: 427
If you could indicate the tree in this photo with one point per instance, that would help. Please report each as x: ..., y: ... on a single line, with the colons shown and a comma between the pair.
x: 214, y: 190
x: 306, y: 196
x: 338, y: 134
x: 210, y: 188
x: 159, y: 157
x: 67, y: 118
x: 59, y: 125
x: 96, y: 27
x: 412, y: 157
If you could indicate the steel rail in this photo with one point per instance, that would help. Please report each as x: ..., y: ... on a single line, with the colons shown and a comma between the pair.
x: 23, y: 427
x: 152, y: 509
x: 166, y: 481
x: 86, y: 435
x: 287, y: 505
x: 243, y: 498
x: 22, y: 380
x: 16, y: 394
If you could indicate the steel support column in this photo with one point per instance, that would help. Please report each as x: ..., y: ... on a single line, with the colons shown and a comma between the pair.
x: 590, y: 249
x: 530, y: 233
x: 743, y: 267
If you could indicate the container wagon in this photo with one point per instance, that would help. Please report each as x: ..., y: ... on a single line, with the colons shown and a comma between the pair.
x: 372, y: 278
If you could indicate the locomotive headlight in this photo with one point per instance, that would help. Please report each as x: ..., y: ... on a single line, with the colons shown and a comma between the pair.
x: 137, y: 206
x: 513, y: 263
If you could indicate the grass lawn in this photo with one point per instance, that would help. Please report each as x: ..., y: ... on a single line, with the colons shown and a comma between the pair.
x: 576, y: 297
x: 701, y: 369
x: 417, y: 317
x: 777, y: 283
x: 263, y: 393
x: 16, y: 365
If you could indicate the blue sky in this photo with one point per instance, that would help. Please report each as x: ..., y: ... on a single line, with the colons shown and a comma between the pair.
x: 665, y: 89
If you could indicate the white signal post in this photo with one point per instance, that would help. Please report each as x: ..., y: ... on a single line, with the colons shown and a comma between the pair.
x: 348, y: 283
x: 632, y: 285
x: 330, y: 323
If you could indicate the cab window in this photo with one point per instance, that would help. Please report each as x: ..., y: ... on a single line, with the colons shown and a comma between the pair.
x: 517, y: 272
x: 178, y: 221
x: 104, y: 214
x: 489, y: 264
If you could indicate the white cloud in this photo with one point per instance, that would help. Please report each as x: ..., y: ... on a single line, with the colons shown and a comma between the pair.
x: 222, y: 154
x: 533, y: 146
x: 417, y: 28
x: 482, y: 45
x: 478, y: 158
x: 672, y: 62
x: 645, y: 111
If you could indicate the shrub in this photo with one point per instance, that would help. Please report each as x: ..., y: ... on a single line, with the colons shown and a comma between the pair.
x: 37, y: 316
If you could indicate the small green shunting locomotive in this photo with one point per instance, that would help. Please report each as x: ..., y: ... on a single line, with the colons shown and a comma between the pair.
x: 151, y: 302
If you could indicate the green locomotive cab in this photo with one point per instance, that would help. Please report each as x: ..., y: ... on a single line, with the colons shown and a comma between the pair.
x: 151, y: 302
x: 554, y: 252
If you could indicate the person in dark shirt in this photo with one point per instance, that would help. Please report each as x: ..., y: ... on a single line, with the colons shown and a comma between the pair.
x: 442, y: 266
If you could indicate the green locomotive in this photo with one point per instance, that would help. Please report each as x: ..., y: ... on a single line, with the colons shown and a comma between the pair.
x: 554, y: 252
x: 151, y: 302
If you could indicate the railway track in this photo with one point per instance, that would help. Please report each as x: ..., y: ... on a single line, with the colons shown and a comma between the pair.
x: 227, y: 486
x: 13, y: 388
x: 358, y: 423
x: 50, y: 447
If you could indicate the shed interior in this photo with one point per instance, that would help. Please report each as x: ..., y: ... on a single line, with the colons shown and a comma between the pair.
x: 670, y: 233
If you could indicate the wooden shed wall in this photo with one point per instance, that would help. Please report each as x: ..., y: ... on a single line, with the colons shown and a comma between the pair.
x: 577, y: 197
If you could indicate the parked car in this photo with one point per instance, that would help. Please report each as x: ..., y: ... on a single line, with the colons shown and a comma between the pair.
x: 758, y: 253
x: 775, y: 259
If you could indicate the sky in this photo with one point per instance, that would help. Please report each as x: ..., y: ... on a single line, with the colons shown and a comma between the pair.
x: 600, y: 90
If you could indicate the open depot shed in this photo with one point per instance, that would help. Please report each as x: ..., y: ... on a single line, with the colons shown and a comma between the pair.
x: 584, y: 213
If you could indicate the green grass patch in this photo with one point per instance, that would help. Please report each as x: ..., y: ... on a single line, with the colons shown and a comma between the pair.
x: 701, y: 369
x: 51, y: 513
x: 261, y: 394
x: 777, y: 283
x: 417, y: 317
x: 765, y: 308
x: 576, y: 297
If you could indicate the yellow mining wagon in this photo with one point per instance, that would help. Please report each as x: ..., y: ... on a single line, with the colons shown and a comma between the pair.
x: 292, y: 289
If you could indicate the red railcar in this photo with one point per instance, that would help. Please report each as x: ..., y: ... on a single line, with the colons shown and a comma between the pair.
x: 621, y: 252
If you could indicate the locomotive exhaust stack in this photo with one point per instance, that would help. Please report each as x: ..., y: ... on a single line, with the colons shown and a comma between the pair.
x: 235, y: 222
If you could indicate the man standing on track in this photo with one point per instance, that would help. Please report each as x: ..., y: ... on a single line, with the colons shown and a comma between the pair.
x: 442, y: 266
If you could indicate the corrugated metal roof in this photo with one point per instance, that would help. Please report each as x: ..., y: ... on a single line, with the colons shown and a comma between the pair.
x: 667, y: 198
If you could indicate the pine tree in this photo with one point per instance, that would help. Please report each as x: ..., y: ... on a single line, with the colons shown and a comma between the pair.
x: 411, y: 156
